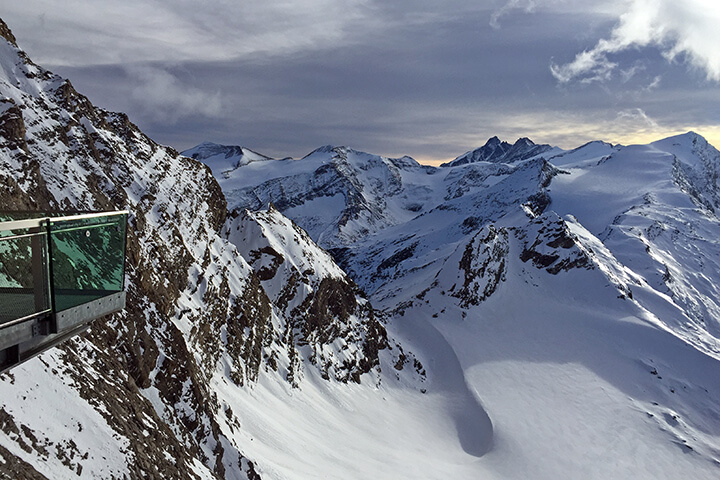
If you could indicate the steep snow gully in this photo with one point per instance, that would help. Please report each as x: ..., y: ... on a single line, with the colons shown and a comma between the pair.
x: 473, y: 424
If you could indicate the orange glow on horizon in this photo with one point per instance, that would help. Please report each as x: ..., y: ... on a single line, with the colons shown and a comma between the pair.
x: 564, y: 140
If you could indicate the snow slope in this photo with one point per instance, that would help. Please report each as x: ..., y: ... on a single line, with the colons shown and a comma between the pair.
x: 654, y: 207
x: 575, y: 291
x: 578, y: 381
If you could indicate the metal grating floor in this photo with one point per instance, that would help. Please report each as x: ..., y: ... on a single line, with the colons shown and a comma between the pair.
x: 16, y: 305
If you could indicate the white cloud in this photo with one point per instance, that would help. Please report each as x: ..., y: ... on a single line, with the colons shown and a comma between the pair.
x: 685, y: 30
x: 161, y: 96
x: 528, y: 6
x: 582, y: 9
x: 635, y: 119
x: 628, y: 74
x: 655, y: 83
x: 590, y: 65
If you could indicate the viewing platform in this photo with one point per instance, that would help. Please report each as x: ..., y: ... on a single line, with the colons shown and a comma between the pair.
x: 57, y: 273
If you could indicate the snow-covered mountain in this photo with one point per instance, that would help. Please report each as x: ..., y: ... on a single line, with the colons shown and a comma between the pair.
x: 527, y: 312
x: 217, y: 303
x: 223, y: 159
x: 336, y: 194
x: 577, y: 290
x: 385, y: 219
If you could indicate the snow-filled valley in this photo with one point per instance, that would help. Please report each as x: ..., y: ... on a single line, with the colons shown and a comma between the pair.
x: 521, y: 312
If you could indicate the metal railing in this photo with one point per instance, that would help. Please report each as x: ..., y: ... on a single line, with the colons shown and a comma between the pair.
x: 51, y: 264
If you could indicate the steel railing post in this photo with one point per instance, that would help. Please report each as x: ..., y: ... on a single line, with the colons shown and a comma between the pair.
x: 51, y: 283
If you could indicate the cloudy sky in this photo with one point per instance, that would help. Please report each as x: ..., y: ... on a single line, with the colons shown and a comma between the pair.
x: 430, y: 79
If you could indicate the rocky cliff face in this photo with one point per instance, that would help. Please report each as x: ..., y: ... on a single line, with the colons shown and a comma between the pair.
x: 204, y: 305
x: 327, y: 319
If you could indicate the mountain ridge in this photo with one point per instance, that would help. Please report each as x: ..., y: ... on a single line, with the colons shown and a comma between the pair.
x: 156, y: 385
x: 694, y: 172
x: 499, y: 151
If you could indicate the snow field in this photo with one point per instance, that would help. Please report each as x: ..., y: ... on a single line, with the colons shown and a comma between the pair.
x: 329, y: 430
x: 567, y: 380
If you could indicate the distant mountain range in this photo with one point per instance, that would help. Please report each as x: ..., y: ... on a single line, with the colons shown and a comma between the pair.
x: 520, y: 312
x: 498, y: 151
x: 524, y: 254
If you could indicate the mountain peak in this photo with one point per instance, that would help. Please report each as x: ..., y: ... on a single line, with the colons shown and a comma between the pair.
x: 223, y: 158
x: 498, y: 151
x: 691, y: 136
x: 689, y: 140
x: 324, y: 149
x: 492, y: 141
x: 524, y: 141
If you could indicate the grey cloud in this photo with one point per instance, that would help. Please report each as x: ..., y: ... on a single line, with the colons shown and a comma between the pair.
x: 110, y: 32
x: 418, y: 77
x: 159, y: 94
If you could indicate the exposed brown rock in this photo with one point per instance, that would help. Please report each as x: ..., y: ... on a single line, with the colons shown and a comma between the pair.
x: 7, y: 34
